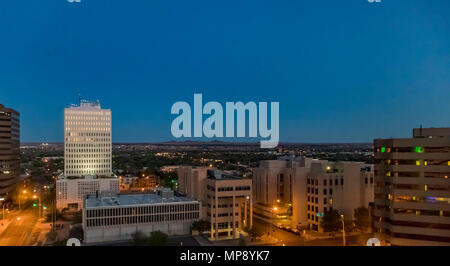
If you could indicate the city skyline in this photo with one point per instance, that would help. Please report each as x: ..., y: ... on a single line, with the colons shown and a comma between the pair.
x: 343, y: 72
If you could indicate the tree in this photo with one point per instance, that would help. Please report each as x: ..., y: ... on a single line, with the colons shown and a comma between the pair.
x: 157, y: 238
x: 77, y: 218
x: 59, y: 216
x: 139, y: 239
x: 76, y: 232
x: 331, y: 221
x: 362, y: 217
x: 201, y: 225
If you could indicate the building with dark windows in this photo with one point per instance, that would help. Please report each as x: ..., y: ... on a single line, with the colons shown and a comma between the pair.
x: 116, y: 217
x: 9, y: 150
x: 412, y: 190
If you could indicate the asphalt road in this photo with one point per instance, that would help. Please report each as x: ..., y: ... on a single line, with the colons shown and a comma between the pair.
x: 19, y: 231
x: 290, y: 239
x: 284, y: 237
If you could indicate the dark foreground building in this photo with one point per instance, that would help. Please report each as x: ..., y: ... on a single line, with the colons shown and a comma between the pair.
x: 9, y: 150
x: 412, y: 188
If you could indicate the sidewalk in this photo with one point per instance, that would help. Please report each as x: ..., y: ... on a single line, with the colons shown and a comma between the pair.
x: 39, y: 233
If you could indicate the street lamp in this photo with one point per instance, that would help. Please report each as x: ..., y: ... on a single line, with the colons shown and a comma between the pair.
x: 3, y: 207
x: 343, y: 230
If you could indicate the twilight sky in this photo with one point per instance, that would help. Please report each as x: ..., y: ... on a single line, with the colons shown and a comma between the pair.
x: 343, y: 71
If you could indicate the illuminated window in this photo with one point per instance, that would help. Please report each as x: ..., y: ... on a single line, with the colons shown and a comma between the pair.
x: 448, y: 163
x: 425, y: 163
x: 383, y: 149
x: 419, y: 150
x: 417, y: 163
x: 426, y: 187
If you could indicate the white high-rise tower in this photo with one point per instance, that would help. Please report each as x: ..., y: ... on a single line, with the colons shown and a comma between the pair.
x: 87, y: 140
x: 87, y: 155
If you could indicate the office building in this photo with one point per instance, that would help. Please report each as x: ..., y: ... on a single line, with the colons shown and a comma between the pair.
x: 71, y: 190
x: 297, y: 191
x: 87, y: 140
x: 112, y: 217
x: 340, y: 186
x: 87, y: 154
x: 412, y: 191
x: 227, y: 199
x: 9, y: 150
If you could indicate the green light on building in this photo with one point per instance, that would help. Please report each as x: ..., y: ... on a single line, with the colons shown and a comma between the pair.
x: 383, y: 149
x: 419, y: 150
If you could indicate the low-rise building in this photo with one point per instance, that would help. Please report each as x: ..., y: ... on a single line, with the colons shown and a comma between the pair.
x: 115, y: 217
x: 71, y: 190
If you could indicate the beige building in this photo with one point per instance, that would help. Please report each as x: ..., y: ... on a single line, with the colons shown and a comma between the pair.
x: 341, y: 186
x: 273, y: 187
x: 226, y: 199
x: 9, y: 150
x: 70, y: 191
x: 412, y: 193
x: 299, y: 190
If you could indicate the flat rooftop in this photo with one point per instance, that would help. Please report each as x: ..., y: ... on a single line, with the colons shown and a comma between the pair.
x: 130, y: 200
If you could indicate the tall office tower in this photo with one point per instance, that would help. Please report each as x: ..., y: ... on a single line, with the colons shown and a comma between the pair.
x: 87, y: 140
x: 412, y: 191
x: 9, y: 149
x: 87, y: 155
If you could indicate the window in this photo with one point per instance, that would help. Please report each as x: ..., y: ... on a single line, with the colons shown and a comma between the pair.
x: 325, y: 182
x: 324, y: 191
x: 342, y: 181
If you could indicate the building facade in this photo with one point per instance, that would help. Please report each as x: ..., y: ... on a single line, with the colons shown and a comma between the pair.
x: 70, y: 191
x: 110, y: 217
x: 229, y: 204
x: 226, y: 199
x: 340, y: 186
x: 87, y: 140
x: 412, y: 192
x: 87, y: 155
x: 297, y: 191
x: 9, y: 150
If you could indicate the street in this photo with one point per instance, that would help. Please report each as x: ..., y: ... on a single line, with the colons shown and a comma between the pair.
x: 20, y: 229
x: 290, y: 239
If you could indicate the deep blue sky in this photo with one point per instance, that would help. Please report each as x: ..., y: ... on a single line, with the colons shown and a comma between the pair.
x: 343, y: 71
